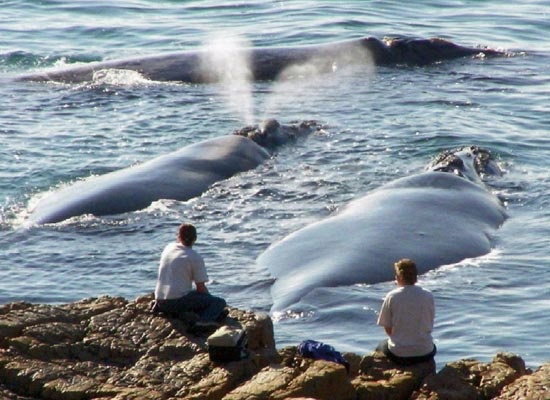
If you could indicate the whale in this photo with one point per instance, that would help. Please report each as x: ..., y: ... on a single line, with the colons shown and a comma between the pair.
x: 179, y: 175
x: 269, y: 63
x: 437, y: 217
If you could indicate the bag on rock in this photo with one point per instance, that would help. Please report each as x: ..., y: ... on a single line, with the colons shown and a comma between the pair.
x: 227, y: 344
x: 321, y: 351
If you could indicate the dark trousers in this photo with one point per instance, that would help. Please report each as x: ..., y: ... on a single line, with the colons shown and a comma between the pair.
x: 383, y: 348
x: 206, y: 306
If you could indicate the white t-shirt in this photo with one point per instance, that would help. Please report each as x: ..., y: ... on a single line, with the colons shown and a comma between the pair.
x: 179, y: 267
x: 409, y: 310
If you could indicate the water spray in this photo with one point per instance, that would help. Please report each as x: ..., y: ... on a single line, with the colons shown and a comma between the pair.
x: 226, y: 60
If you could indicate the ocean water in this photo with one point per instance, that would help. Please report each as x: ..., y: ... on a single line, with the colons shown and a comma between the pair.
x: 382, y: 124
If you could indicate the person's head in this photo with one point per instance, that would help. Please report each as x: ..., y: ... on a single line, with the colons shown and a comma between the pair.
x: 405, y: 272
x: 187, y: 234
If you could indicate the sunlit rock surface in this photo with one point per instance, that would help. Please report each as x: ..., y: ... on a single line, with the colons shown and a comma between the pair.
x: 112, y: 348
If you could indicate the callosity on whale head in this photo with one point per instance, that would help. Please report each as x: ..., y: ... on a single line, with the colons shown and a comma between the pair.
x: 472, y: 163
x: 271, y: 134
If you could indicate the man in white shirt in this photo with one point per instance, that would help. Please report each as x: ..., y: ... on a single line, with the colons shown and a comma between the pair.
x: 181, y: 266
x: 407, y: 315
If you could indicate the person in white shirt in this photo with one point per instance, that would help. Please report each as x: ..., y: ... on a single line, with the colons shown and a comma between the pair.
x: 407, y: 316
x: 181, y: 266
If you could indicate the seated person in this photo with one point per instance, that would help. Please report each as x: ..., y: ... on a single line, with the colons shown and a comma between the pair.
x: 407, y: 315
x: 180, y: 266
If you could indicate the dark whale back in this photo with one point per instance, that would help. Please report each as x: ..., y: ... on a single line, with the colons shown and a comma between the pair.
x: 267, y: 63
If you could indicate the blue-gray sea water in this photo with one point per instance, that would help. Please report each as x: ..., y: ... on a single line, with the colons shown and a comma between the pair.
x: 382, y: 124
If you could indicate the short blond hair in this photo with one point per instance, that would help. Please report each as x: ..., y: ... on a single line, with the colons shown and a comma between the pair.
x: 406, y: 270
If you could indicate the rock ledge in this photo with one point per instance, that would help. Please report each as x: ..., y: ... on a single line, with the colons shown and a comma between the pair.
x: 111, y: 348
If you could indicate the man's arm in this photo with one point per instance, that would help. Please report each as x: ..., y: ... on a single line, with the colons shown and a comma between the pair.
x: 201, y: 287
x: 384, y: 317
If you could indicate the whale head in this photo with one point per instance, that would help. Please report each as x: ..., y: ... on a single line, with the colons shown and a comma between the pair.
x: 272, y: 134
x: 472, y: 163
x: 427, y: 51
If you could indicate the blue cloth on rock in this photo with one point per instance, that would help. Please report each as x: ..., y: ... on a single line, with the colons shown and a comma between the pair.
x: 321, y: 351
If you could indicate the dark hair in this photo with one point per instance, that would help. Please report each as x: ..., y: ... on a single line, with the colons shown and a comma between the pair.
x: 187, y: 234
x: 406, y: 270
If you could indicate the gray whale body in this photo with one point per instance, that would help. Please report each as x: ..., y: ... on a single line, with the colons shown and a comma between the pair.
x: 180, y: 175
x: 436, y: 218
x: 266, y: 63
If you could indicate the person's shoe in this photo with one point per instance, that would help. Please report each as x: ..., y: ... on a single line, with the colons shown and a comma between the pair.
x: 201, y: 328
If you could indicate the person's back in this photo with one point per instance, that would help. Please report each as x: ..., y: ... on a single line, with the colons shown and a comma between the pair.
x: 179, y: 267
x: 411, y: 318
x: 407, y: 315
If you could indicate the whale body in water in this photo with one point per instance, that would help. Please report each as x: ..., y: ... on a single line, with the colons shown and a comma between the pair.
x: 268, y: 63
x: 435, y: 218
x: 180, y: 175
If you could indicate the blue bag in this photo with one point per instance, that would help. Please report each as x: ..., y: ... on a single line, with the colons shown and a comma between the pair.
x: 321, y: 351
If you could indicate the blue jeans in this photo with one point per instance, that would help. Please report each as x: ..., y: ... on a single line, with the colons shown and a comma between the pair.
x: 208, y: 307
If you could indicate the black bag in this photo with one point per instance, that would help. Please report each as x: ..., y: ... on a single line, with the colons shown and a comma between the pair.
x: 227, y: 344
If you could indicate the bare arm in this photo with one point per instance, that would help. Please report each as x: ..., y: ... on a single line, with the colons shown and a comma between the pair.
x: 201, y: 287
x: 388, y: 330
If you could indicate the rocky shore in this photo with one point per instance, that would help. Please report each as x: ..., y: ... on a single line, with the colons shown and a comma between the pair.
x: 112, y: 348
